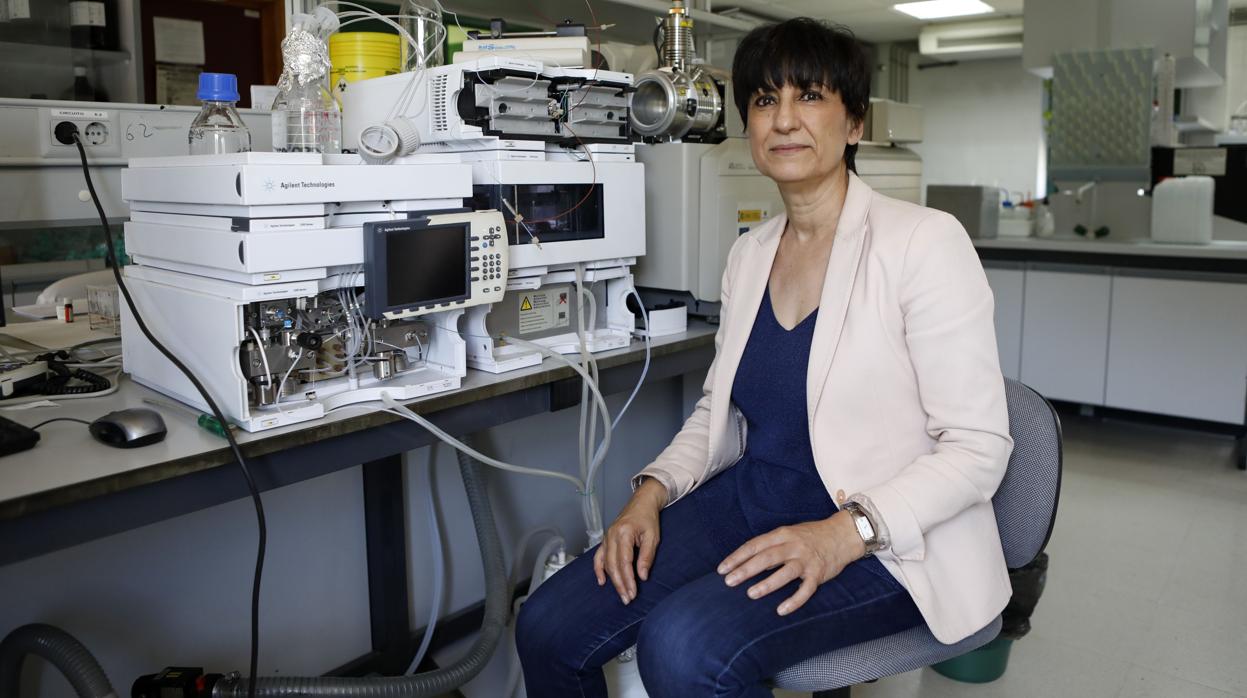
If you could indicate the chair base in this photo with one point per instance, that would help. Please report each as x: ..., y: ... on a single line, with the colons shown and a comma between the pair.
x: 834, y: 693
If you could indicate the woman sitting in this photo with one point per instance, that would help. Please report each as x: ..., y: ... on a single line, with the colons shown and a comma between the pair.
x: 834, y: 484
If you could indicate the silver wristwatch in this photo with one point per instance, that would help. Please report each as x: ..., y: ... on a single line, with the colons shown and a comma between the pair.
x: 865, y: 529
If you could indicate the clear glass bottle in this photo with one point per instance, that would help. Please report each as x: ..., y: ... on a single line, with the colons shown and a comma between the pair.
x: 306, y: 119
x: 305, y: 114
x: 218, y: 128
x: 423, y: 24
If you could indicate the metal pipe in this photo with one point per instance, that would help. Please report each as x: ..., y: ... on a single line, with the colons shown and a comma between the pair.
x: 660, y: 7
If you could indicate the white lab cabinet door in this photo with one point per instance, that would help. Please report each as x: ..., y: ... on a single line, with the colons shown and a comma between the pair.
x: 1065, y: 334
x: 1008, y: 287
x: 1179, y: 347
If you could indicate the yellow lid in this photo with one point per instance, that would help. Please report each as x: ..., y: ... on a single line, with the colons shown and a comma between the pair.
x: 347, y: 43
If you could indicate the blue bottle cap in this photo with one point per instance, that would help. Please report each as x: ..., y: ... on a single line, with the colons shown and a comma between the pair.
x: 218, y: 87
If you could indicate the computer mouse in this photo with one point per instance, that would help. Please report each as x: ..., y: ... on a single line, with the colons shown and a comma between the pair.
x: 129, y: 428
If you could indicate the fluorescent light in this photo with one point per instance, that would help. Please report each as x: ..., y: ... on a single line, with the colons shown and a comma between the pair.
x: 939, y: 9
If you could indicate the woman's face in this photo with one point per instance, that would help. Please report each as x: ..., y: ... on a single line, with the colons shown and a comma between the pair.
x: 799, y: 135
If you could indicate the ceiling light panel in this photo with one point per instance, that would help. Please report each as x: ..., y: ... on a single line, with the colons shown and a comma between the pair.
x: 941, y: 9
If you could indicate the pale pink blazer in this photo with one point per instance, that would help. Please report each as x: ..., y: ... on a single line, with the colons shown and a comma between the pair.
x: 905, y: 396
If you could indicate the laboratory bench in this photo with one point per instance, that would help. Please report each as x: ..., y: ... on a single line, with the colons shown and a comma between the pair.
x: 1137, y: 253
x: 70, y: 489
x: 57, y: 493
x: 1148, y: 329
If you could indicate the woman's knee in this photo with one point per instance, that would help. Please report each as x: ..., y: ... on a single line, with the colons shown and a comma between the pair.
x: 672, y: 653
x: 562, y: 620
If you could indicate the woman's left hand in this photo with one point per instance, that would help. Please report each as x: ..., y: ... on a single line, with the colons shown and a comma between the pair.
x: 815, y: 552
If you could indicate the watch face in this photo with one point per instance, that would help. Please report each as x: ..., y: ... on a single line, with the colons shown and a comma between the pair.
x: 864, y: 529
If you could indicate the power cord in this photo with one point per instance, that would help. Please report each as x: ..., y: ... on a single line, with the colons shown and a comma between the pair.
x: 61, y: 419
x: 114, y: 263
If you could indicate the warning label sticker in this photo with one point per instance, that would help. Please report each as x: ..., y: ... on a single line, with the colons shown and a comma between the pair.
x: 545, y: 309
x: 1199, y: 161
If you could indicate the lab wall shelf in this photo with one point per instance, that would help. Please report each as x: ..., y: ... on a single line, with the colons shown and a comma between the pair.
x: 12, y: 52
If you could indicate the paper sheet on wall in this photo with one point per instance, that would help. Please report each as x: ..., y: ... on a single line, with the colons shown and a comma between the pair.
x: 178, y: 40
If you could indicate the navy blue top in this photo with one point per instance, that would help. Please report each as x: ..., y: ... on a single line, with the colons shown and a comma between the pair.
x: 776, y: 475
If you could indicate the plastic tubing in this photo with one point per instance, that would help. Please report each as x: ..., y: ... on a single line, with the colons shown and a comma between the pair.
x: 594, y: 535
x: 259, y: 345
x: 600, y: 456
x: 522, y: 546
x: 61, y: 650
x: 429, y: 684
x: 281, y: 387
x: 582, y: 445
x: 644, y: 367
x: 595, y: 455
x: 589, y: 506
x: 401, y: 411
x: 597, y: 394
x: 439, y: 571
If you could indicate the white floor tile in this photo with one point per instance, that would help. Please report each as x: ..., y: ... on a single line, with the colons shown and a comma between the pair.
x: 1190, y: 647
x: 1145, y: 683
x: 1095, y: 618
x: 1038, y: 668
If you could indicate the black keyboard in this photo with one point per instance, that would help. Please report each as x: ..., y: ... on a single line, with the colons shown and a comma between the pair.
x: 15, y: 437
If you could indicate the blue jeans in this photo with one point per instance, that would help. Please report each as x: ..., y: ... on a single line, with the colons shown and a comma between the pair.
x: 695, y: 635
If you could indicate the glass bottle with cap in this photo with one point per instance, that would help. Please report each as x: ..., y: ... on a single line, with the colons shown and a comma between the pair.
x: 218, y: 128
x: 305, y: 115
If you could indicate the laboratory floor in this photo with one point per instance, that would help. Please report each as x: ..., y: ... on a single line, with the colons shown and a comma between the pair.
x: 1147, y: 579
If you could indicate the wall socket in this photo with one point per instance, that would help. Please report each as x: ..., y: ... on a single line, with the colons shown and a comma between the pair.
x: 97, y: 128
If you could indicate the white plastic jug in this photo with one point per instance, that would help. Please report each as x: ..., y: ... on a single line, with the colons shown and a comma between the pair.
x: 1182, y: 210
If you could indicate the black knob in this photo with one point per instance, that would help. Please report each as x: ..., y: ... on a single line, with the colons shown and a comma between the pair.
x: 309, y: 340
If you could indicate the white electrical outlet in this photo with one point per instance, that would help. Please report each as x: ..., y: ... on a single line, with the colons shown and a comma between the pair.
x: 96, y: 133
x: 97, y: 128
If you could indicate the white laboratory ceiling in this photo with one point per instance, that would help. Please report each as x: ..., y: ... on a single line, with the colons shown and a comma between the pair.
x: 872, y: 20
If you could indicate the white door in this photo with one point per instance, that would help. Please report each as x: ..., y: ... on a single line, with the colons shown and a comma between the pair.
x: 1179, y: 347
x: 1065, y: 334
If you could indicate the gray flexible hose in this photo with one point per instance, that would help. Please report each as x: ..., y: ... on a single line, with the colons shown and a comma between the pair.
x: 62, y: 650
x: 433, y: 683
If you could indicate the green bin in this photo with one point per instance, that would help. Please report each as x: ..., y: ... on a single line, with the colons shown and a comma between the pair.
x: 982, y: 665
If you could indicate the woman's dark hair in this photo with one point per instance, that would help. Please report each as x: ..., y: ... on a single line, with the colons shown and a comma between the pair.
x: 803, y: 52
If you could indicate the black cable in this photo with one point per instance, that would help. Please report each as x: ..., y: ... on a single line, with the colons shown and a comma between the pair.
x: 216, y: 412
x: 61, y: 419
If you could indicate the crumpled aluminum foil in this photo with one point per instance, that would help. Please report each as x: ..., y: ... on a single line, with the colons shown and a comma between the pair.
x: 305, y: 59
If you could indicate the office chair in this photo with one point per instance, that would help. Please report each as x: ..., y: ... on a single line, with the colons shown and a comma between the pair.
x: 1025, y: 505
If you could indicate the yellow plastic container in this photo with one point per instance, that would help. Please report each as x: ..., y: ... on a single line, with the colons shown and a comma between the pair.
x: 362, y: 55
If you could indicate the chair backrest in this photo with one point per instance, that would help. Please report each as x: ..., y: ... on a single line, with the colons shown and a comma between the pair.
x: 1026, y: 501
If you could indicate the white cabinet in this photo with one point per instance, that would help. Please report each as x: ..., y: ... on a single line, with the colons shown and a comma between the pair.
x: 1178, y: 347
x: 1008, y: 287
x: 1065, y: 334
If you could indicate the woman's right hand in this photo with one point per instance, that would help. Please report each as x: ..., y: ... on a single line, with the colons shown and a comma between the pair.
x: 635, y: 527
